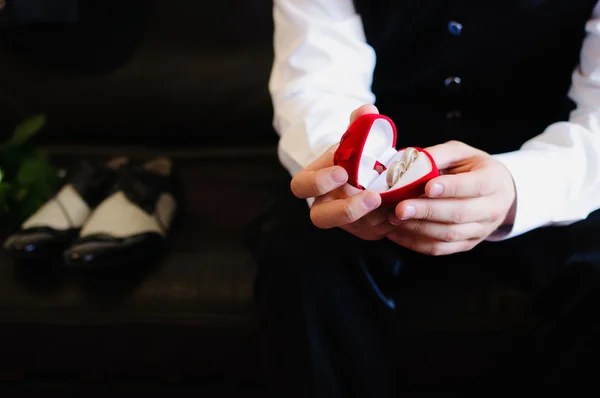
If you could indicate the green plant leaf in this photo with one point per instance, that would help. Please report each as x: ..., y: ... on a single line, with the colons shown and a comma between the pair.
x: 27, y: 177
x: 25, y: 130
x: 34, y: 183
x: 31, y: 168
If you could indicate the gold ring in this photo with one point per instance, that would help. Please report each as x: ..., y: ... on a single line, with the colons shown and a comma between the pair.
x: 398, y: 168
x: 409, y: 156
x: 395, y: 171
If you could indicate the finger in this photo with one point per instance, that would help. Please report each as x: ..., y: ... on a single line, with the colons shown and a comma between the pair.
x: 336, y: 213
x: 373, y: 219
x: 443, y: 232
x: 311, y: 184
x: 472, y: 184
x: 451, y: 153
x: 363, y: 110
x: 377, y: 232
x: 431, y: 247
x: 456, y: 211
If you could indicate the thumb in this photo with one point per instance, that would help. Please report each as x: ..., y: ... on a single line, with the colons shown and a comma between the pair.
x: 451, y: 153
x: 363, y: 110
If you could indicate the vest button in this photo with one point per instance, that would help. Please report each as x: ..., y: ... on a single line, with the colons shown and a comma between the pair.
x: 452, y: 81
x: 455, y: 28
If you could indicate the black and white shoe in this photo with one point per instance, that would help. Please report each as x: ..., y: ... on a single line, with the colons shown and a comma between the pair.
x: 50, y: 230
x: 131, y: 224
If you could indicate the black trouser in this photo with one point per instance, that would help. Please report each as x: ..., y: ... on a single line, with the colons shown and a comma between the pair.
x: 346, y: 318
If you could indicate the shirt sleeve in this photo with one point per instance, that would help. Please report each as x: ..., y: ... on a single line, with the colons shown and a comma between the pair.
x: 557, y: 174
x: 322, y: 71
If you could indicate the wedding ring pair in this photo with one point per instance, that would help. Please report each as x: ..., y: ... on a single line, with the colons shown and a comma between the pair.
x: 398, y: 168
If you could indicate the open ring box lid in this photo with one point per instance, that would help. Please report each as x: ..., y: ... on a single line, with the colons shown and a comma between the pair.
x: 366, y: 151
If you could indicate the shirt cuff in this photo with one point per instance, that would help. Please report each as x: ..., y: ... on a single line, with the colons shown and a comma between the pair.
x: 540, y: 182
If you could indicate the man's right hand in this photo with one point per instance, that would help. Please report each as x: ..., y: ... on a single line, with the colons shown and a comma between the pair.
x: 337, y: 204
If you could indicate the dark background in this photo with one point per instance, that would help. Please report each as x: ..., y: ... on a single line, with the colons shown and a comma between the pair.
x: 143, y: 72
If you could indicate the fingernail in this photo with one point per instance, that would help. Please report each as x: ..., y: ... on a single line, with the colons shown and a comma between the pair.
x: 371, y: 200
x: 409, y: 212
x: 436, y: 190
x: 392, y: 219
x: 339, y: 176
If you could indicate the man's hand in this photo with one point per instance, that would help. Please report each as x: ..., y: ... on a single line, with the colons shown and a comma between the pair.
x: 473, y: 197
x: 338, y: 204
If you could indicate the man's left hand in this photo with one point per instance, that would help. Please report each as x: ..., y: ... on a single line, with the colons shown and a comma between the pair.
x: 472, y: 198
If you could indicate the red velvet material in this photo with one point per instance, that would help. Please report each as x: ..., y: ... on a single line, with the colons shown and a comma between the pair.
x: 349, y: 153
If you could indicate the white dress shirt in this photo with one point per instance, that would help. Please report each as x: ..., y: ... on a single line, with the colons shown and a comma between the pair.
x: 323, y: 70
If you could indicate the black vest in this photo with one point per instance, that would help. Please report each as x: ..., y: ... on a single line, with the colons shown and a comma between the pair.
x: 490, y: 73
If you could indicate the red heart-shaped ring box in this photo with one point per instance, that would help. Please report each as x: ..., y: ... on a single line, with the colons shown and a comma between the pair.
x: 368, y: 148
